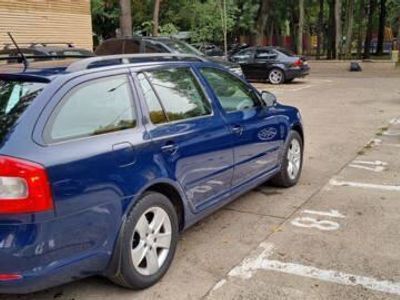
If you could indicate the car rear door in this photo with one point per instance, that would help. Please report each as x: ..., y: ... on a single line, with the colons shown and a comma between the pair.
x: 258, y: 135
x: 190, y: 139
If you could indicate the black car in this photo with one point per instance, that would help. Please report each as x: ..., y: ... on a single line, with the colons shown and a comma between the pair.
x: 139, y: 44
x: 274, y: 64
x: 43, y: 51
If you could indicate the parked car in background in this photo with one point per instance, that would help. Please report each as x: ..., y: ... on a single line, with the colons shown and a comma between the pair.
x: 43, y: 51
x: 101, y: 168
x: 274, y: 64
x: 209, y: 49
x: 158, y: 45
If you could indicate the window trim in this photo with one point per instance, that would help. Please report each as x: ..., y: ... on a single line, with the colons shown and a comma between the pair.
x: 196, y: 78
x: 48, y: 141
x: 259, y: 102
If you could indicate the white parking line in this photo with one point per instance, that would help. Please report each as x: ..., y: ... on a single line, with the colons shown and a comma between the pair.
x: 395, y: 121
x: 374, y: 166
x: 261, y: 262
x: 393, y: 188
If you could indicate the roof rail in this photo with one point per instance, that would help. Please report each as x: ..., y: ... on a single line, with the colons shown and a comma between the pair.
x: 7, y: 46
x: 123, y: 59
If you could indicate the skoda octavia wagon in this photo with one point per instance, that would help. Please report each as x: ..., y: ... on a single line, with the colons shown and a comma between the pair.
x: 105, y: 160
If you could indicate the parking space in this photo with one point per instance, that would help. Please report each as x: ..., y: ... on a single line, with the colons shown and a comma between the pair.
x: 334, y: 236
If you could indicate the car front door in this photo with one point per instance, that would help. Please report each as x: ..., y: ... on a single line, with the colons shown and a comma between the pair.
x: 189, y: 136
x: 258, y: 134
x: 246, y: 60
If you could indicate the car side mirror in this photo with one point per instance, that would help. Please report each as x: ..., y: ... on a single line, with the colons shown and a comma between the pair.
x: 268, y: 98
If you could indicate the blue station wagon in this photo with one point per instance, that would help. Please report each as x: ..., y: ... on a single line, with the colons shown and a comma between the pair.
x: 104, y: 161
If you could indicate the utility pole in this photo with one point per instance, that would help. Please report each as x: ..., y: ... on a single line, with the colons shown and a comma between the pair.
x: 301, y: 28
x: 223, y: 13
x: 338, y: 27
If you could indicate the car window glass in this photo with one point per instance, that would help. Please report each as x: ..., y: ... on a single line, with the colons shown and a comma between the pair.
x: 157, y: 114
x: 180, y: 93
x: 245, y: 53
x: 152, y: 47
x: 265, y: 54
x: 109, y: 47
x: 98, y: 107
x: 233, y: 94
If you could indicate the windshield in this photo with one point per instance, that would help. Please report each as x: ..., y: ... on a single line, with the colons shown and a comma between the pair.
x: 15, y: 97
x: 183, y: 47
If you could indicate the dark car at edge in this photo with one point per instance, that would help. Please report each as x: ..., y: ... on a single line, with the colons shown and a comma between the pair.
x: 161, y: 44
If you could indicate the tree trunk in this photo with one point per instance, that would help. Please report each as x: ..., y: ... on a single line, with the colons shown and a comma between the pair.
x: 301, y: 28
x: 331, y: 31
x: 349, y: 28
x: 398, y: 34
x: 360, y: 35
x: 125, y: 19
x: 320, y: 27
x: 338, y: 28
x: 368, y: 37
x: 381, y: 31
x: 156, y: 17
x: 262, y: 21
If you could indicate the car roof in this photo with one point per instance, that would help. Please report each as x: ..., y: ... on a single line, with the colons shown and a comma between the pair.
x: 47, y: 70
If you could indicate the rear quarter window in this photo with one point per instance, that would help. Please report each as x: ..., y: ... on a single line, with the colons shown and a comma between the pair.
x: 96, y: 107
x: 15, y: 98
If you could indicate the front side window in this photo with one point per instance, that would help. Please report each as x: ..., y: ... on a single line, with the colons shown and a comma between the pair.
x: 232, y: 93
x: 179, y: 93
x: 97, y: 107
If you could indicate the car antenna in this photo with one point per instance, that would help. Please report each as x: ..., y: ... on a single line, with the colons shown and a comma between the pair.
x: 23, y: 58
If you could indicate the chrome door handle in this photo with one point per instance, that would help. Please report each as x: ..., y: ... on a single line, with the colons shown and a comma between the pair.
x: 237, y: 130
x: 170, y: 148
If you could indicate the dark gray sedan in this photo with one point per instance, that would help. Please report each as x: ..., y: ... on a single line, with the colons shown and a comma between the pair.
x: 274, y: 64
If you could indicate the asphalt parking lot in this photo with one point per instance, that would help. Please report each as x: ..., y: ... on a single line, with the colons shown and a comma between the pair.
x: 334, y: 236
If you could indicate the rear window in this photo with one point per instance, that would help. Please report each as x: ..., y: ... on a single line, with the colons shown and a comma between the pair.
x: 15, y: 97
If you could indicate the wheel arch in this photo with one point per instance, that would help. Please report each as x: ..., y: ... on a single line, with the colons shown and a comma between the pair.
x: 166, y: 187
x: 299, y: 129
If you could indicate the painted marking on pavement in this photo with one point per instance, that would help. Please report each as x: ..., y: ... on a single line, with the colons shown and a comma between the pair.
x: 394, y: 188
x: 323, y: 225
x: 261, y: 262
x: 332, y: 213
x: 374, y: 166
x: 395, y: 121
x: 392, y: 133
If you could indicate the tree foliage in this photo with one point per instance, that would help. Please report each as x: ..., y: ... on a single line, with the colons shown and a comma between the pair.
x: 336, y: 30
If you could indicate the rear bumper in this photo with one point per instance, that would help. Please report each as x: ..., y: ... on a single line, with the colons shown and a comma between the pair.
x: 53, y: 275
x: 292, y: 73
x: 58, y: 250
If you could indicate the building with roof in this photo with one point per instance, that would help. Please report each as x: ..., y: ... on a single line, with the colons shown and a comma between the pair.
x: 47, y: 21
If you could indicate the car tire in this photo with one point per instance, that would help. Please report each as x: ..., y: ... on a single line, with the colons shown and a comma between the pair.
x: 291, y: 160
x: 144, y: 257
x: 276, y: 76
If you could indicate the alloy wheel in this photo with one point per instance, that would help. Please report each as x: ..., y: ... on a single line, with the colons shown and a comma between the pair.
x: 151, y: 241
x: 294, y: 159
x: 276, y: 76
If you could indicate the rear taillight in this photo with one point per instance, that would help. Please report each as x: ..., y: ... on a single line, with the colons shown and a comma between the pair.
x: 297, y: 63
x: 24, y: 187
x: 10, y: 277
